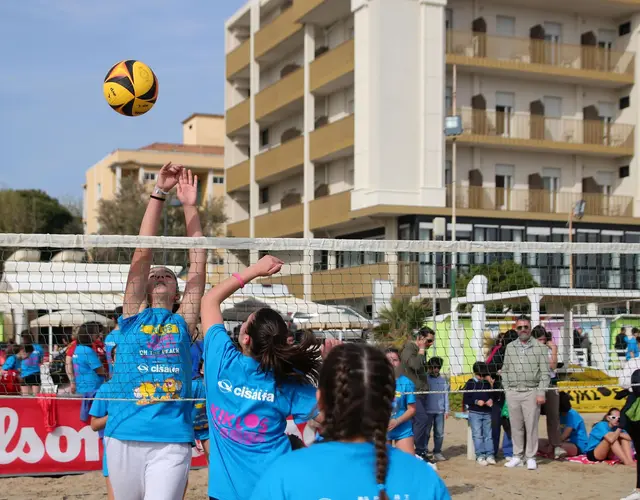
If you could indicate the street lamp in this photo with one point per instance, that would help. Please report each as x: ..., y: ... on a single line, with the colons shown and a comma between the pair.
x: 577, y: 212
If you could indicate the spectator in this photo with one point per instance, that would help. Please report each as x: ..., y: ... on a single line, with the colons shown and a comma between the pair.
x: 630, y: 419
x: 585, y: 344
x: 414, y: 363
x: 12, y: 362
x: 621, y: 343
x: 31, y: 359
x: 400, y: 430
x: 496, y: 358
x: 478, y: 401
x: 525, y: 377
x: 88, y: 371
x: 577, y: 338
x: 498, y: 421
x: 632, y: 344
x: 608, y: 438
x: 574, y: 432
x: 551, y: 406
x: 437, y: 407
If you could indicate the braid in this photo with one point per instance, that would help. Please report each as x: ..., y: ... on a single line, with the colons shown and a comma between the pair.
x: 382, y: 461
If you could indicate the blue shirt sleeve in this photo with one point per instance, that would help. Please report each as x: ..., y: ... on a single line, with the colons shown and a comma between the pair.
x: 304, y: 405
x: 410, y: 387
x: 269, y: 486
x: 597, y: 434
x: 10, y: 363
x: 92, y: 359
x: 217, y: 344
x: 99, y: 406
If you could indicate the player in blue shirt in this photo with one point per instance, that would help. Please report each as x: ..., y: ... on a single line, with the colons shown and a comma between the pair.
x: 573, y: 431
x: 607, y: 438
x: 252, y: 391
x: 109, y: 344
x: 199, y: 415
x: 149, y: 438
x: 88, y: 372
x: 355, y: 394
x: 404, y: 407
x: 30, y: 360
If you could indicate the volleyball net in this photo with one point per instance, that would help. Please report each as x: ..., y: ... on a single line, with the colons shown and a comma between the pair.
x: 470, y: 293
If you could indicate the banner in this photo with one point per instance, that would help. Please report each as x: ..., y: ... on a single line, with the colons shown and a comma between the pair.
x: 28, y: 448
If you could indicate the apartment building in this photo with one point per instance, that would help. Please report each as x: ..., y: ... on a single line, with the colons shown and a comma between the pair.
x: 202, y: 150
x: 335, y: 115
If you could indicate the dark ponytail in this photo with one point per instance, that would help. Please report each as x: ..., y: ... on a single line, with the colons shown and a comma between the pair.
x: 357, y: 387
x: 287, y: 362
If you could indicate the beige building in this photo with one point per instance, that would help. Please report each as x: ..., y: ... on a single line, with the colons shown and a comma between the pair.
x: 202, y: 151
x: 335, y: 113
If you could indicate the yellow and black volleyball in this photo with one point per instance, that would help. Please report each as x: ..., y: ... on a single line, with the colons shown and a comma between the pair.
x: 131, y: 88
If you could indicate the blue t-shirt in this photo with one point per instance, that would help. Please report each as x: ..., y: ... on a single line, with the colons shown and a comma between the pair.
x: 154, y: 366
x: 197, y: 352
x: 99, y: 408
x: 200, y: 421
x: 578, y: 434
x: 348, y: 470
x: 85, y: 363
x: 31, y: 365
x: 632, y: 347
x: 247, y: 416
x: 109, y: 344
x: 400, y: 402
x: 598, y: 433
x: 11, y: 363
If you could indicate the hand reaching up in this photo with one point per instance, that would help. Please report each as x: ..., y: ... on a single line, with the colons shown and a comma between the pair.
x: 188, y: 188
x: 168, y: 176
x: 267, y: 266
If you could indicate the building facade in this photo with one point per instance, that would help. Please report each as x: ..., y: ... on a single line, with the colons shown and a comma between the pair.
x: 202, y: 150
x: 335, y: 113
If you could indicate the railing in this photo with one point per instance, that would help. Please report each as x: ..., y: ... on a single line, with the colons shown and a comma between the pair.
x: 512, y: 50
x: 542, y: 128
x: 540, y: 201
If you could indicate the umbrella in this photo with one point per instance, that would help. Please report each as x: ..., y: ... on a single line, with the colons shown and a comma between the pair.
x: 70, y: 317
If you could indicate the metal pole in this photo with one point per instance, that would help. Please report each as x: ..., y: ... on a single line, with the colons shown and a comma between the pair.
x: 570, y: 245
x: 433, y: 299
x: 166, y: 225
x: 454, y: 180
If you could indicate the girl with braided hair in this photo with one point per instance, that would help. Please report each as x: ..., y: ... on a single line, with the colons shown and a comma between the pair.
x: 355, y: 395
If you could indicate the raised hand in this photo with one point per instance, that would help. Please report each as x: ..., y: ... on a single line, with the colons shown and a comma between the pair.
x: 267, y: 266
x: 168, y: 176
x: 188, y: 188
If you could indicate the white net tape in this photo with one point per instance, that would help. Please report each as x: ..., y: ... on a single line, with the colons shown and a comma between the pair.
x: 585, y: 295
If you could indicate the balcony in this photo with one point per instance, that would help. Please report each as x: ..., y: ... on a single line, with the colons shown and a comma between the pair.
x: 284, y: 222
x: 237, y: 118
x: 279, y: 99
x: 532, y: 203
x: 533, y: 132
x: 237, y: 177
x: 332, y: 141
x: 333, y: 70
x: 279, y: 32
x: 280, y: 161
x: 323, y: 12
x: 540, y: 59
x: 238, y: 60
x: 329, y: 210
x: 238, y: 229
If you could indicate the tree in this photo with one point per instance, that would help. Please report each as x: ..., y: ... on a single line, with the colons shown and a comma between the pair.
x: 400, y: 319
x: 34, y: 211
x: 504, y: 276
x: 123, y: 215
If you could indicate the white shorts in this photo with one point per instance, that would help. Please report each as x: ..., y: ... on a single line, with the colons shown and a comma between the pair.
x: 148, y: 471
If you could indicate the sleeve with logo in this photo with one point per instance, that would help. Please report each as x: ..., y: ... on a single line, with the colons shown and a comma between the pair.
x: 304, y: 405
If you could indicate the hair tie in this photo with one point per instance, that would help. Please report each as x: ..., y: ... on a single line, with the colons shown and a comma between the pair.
x: 381, y: 487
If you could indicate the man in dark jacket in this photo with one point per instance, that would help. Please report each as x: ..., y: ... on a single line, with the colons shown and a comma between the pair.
x: 414, y: 366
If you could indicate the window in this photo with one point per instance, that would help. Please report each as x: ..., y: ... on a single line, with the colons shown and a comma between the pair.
x: 605, y: 180
x: 264, y: 195
x: 505, y: 104
x: 217, y: 179
x: 448, y: 101
x: 504, y: 184
x: 625, y: 102
x: 553, y: 37
x: 149, y: 176
x: 551, y: 184
x: 623, y: 172
x: 624, y: 28
x: 264, y: 137
x: 506, y: 26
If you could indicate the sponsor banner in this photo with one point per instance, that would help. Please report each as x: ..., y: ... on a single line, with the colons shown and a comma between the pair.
x: 27, y: 448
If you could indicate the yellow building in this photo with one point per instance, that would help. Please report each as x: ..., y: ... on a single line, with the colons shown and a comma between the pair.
x: 202, y: 151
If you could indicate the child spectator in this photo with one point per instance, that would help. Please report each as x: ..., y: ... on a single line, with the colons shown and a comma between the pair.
x: 31, y: 358
x: 573, y: 431
x: 607, y: 437
x: 437, y: 406
x: 478, y: 401
x: 632, y: 344
x: 400, y: 430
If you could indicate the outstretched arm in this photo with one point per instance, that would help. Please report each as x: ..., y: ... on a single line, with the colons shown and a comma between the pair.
x: 210, y: 312
x: 136, y: 289
x: 188, y: 196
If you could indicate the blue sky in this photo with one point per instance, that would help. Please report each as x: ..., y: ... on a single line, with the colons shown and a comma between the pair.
x: 54, y: 54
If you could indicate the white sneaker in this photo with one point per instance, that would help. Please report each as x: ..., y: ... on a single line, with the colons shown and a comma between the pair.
x: 482, y: 461
x: 559, y: 452
x: 491, y: 461
x: 532, y: 464
x: 439, y: 457
x: 433, y: 466
x: 635, y: 495
x: 513, y: 462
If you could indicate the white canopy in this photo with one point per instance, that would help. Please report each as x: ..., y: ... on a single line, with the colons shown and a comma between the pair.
x: 70, y: 317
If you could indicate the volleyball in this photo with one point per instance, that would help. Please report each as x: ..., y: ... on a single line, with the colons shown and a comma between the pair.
x: 131, y: 88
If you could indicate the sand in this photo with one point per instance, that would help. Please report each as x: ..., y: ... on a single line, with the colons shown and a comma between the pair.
x: 464, y: 478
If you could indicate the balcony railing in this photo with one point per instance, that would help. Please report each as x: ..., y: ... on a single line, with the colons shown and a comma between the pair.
x: 237, y: 117
x: 238, y: 59
x: 509, y: 52
x: 530, y: 127
x: 539, y: 201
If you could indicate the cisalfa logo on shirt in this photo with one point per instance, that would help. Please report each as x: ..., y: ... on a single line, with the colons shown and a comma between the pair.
x: 158, y: 369
x: 226, y: 387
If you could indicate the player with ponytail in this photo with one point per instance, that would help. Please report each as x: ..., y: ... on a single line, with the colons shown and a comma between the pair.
x: 355, y: 396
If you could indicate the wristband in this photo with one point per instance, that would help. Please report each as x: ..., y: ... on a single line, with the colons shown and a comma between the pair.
x: 157, y: 198
x: 239, y: 278
x: 157, y: 190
